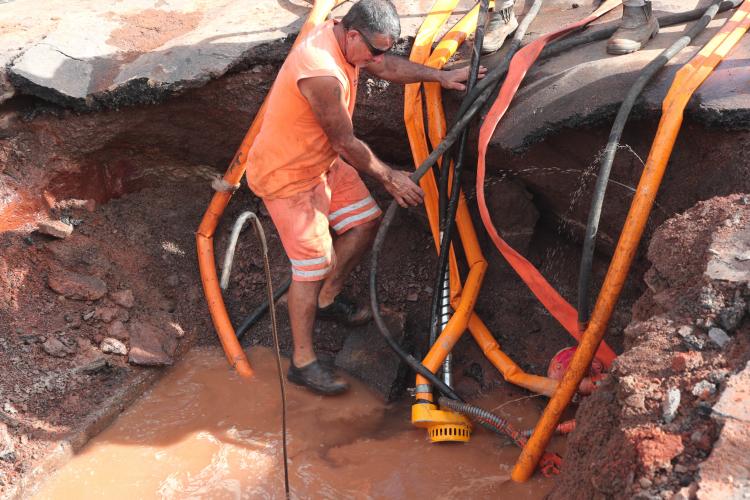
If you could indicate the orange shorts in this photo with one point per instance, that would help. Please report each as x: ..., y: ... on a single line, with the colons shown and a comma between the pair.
x: 304, y: 220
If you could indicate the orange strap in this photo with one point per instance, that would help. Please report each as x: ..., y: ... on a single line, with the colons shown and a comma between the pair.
x: 560, y: 309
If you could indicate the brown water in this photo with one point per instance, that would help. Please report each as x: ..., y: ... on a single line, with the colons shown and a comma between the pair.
x: 203, y: 432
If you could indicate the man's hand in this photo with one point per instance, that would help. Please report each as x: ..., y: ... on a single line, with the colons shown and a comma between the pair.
x: 403, y: 189
x: 453, y: 79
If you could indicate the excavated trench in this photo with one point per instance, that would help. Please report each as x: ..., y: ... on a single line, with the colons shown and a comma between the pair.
x: 135, y: 182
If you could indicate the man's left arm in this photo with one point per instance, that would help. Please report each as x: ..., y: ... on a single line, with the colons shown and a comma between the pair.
x: 400, y: 70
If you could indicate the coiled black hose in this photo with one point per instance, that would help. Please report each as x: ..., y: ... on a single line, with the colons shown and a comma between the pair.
x: 597, y: 201
x: 487, y: 418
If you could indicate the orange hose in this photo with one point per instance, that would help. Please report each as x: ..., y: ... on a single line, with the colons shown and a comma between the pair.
x: 219, y: 202
x: 687, y: 80
x: 462, y: 300
x: 414, y: 120
x: 547, y: 295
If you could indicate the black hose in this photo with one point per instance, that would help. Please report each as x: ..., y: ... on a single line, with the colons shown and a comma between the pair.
x: 597, y: 201
x: 484, y: 87
x: 259, y: 311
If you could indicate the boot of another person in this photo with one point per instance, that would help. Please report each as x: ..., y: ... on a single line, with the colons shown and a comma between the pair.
x: 501, y: 25
x: 638, y: 26
x: 317, y: 378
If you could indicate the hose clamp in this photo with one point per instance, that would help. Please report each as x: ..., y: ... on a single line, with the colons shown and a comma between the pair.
x: 423, y: 388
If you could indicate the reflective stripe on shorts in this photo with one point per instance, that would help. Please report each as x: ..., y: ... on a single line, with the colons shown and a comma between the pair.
x: 346, y: 217
x: 317, y: 267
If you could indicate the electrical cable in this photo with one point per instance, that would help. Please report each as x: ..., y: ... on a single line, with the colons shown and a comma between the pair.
x: 274, y: 330
x: 597, y: 201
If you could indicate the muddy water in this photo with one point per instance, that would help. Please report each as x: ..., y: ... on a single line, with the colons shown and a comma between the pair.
x: 204, y: 432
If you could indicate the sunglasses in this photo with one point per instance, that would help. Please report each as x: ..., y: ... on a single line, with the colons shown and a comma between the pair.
x: 373, y: 50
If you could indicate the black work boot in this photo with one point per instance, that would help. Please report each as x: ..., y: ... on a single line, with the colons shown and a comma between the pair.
x: 501, y: 24
x: 345, y: 311
x: 318, y: 378
x: 637, y: 26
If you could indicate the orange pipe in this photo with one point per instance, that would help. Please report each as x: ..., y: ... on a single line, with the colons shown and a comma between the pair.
x: 511, y: 371
x: 457, y: 324
x: 219, y: 202
x: 687, y: 80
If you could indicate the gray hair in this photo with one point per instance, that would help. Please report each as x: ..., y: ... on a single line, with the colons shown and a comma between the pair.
x: 373, y: 17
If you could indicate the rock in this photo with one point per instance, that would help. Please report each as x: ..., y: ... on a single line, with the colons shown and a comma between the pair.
x: 412, y: 297
x: 94, y: 366
x: 175, y: 329
x: 123, y: 298
x: 105, y: 314
x: 686, y: 493
x: 7, y: 448
x: 55, y: 228
x: 731, y: 317
x: 685, y: 331
x: 368, y: 357
x: 683, y: 361
x: 694, y: 342
x: 718, y: 337
x: 55, y: 348
x: 636, y: 401
x: 76, y: 286
x: 734, y: 403
x: 671, y: 404
x: 657, y: 449
x: 113, y: 346
x: 645, y: 483
x: 704, y: 389
x: 118, y: 330
x: 150, y: 345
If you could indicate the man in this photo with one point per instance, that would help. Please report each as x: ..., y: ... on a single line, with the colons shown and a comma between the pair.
x: 637, y: 26
x: 305, y: 165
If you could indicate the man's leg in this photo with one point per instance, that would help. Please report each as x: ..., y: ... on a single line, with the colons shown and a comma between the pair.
x: 637, y: 27
x: 303, y: 226
x: 302, y: 303
x: 349, y: 249
x: 354, y: 218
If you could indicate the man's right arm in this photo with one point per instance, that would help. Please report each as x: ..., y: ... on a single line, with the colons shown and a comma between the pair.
x: 325, y: 95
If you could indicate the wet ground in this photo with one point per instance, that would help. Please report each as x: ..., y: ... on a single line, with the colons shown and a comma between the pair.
x: 202, y: 431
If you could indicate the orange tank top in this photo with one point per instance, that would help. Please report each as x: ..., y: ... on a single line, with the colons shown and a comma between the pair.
x: 291, y: 152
